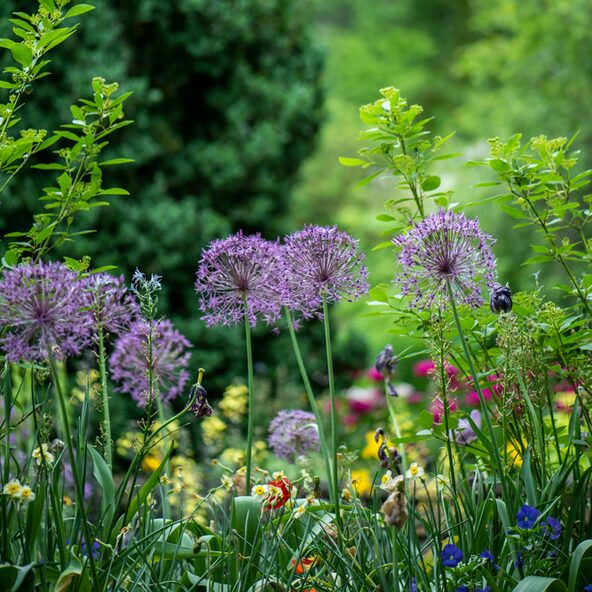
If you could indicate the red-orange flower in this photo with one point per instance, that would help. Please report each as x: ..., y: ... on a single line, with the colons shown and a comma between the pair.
x: 278, y: 493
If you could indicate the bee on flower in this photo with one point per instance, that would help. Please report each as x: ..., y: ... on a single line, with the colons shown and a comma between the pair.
x: 414, y: 471
x: 42, y: 455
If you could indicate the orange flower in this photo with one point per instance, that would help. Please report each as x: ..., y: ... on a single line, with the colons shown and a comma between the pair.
x: 303, y: 565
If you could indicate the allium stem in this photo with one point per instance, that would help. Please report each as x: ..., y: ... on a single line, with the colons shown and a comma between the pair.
x: 334, y: 435
x: 6, y: 465
x: 77, y: 482
x: 106, y: 419
x: 313, y: 403
x: 484, y: 408
x: 394, y: 558
x: 251, y: 401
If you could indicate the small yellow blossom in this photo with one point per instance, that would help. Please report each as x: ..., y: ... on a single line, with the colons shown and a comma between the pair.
x: 212, y: 429
x: 514, y: 453
x: 226, y: 482
x: 150, y: 463
x: 260, y: 491
x: 67, y: 501
x: 300, y: 510
x: 390, y: 482
x: 13, y: 489
x: 346, y: 495
x: 234, y: 402
x: 27, y: 494
x: 414, y: 471
x: 361, y: 481
x: 164, y: 479
x: 43, y: 455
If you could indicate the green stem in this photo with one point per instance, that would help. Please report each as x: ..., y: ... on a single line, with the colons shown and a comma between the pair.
x: 251, y: 401
x: 484, y: 408
x: 106, y: 420
x: 6, y: 467
x: 395, y: 560
x: 77, y: 483
x: 163, y: 492
x: 334, y: 434
x: 312, y: 402
x: 390, y: 403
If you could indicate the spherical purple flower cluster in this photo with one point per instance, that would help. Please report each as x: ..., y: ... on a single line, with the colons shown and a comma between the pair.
x: 113, y: 307
x: 130, y: 361
x: 45, y: 309
x: 293, y: 434
x: 314, y: 263
x: 322, y: 262
x: 239, y: 271
x: 445, y: 248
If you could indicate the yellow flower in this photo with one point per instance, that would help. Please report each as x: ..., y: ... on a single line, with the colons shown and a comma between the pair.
x: 259, y: 491
x: 514, y: 453
x: 370, y: 451
x: 233, y: 456
x: 150, y: 463
x: 212, y: 429
x: 234, y: 402
x: 13, y: 489
x: 361, y: 481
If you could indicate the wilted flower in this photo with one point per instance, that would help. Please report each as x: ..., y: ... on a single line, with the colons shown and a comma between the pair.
x: 42, y: 455
x: 445, y: 248
x: 113, y: 307
x: 322, y: 261
x: 200, y: 406
x: 45, y: 309
x: 451, y: 555
x: 526, y: 516
x: 386, y: 364
x: 169, y: 361
x: 293, y: 434
x: 236, y: 270
x: 394, y: 509
x: 501, y: 298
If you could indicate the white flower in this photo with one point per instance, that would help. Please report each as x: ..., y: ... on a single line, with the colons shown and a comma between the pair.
x: 43, y: 455
x: 300, y: 510
x: 226, y: 482
x: 27, y: 494
x: 13, y: 489
x: 414, y: 471
x: 390, y: 483
x: 260, y: 491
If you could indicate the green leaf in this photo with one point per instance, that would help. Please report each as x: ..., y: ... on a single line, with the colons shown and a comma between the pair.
x: 430, y: 183
x: 78, y: 9
x: 425, y: 420
x: 576, y: 566
x: 499, y: 166
x: 17, y: 579
x: 352, y: 162
x: 73, y: 577
x: 246, y: 524
x: 540, y: 584
x: 115, y: 161
x: 22, y: 54
x: 385, y: 218
x: 104, y: 478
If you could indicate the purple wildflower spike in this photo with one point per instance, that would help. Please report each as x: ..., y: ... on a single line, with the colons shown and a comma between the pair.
x: 44, y: 306
x: 234, y: 269
x: 322, y: 261
x: 130, y: 359
x: 445, y: 247
x: 112, y: 305
x: 293, y: 434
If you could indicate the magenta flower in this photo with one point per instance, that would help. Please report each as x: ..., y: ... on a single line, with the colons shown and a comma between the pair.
x: 445, y: 248
x: 322, y: 261
x: 130, y: 366
x: 236, y: 269
x: 293, y: 434
x: 44, y: 307
x: 113, y: 307
x: 436, y: 408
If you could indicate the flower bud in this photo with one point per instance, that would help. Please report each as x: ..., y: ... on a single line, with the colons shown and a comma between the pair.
x: 200, y: 407
x: 501, y: 299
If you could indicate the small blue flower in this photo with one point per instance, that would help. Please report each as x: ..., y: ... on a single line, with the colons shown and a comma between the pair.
x: 526, y: 516
x: 552, y: 528
x: 588, y: 588
x: 413, y: 585
x: 462, y: 589
x: 451, y: 556
x: 486, y: 589
x: 487, y: 555
x: 518, y: 561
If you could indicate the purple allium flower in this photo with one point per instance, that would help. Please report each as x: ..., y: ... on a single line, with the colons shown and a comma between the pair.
x: 234, y: 269
x: 322, y: 261
x: 552, y: 528
x: 293, y: 434
x: 464, y: 432
x: 45, y: 308
x: 526, y: 516
x: 451, y: 555
x: 445, y: 247
x: 111, y: 304
x: 130, y: 361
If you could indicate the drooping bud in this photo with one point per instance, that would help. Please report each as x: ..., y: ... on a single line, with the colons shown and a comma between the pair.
x: 501, y: 299
x: 200, y: 407
x: 387, y: 361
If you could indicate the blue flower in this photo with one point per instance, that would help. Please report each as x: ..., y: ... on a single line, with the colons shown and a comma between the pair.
x: 451, y: 556
x: 519, y: 560
x: 413, y: 585
x: 486, y: 589
x: 588, y: 588
x: 552, y: 528
x: 487, y: 555
x: 462, y: 589
x: 526, y: 516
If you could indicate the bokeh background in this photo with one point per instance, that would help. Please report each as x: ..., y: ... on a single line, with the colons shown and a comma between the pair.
x: 242, y: 108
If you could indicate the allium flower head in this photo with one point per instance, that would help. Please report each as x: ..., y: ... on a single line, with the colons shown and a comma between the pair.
x: 445, y: 248
x: 322, y: 261
x: 293, y: 434
x: 129, y: 362
x: 234, y: 269
x: 111, y: 304
x: 46, y: 311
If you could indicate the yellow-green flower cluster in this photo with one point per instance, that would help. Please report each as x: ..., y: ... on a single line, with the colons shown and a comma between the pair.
x: 17, y: 492
x: 233, y: 405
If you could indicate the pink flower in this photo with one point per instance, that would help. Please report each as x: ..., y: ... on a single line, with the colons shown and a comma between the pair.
x: 423, y: 368
x: 472, y: 397
x: 374, y: 374
x: 436, y: 408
